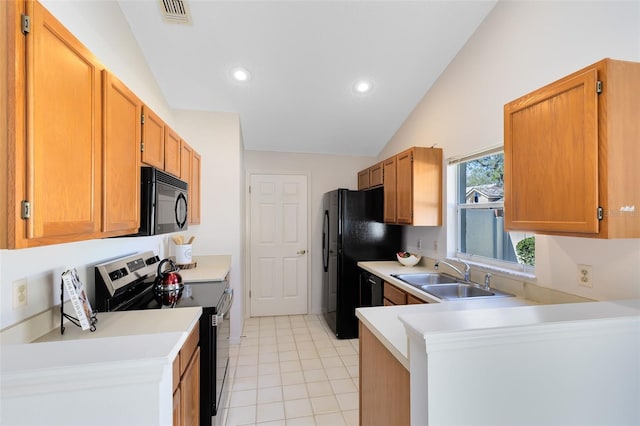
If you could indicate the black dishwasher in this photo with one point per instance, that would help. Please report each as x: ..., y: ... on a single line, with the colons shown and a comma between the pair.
x: 370, y: 289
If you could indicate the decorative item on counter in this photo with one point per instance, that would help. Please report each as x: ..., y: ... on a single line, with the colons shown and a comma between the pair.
x: 408, y: 259
x: 85, y: 316
x: 182, y: 251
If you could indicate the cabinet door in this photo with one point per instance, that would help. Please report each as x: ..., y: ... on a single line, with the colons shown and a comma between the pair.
x: 152, y: 139
x: 390, y: 194
x: 177, y: 411
x: 384, y: 384
x: 190, y: 391
x: 394, y: 294
x: 376, y: 175
x: 121, y: 162
x: 171, y: 152
x: 412, y: 300
x: 186, y: 164
x: 551, y: 157
x: 363, y: 179
x: 194, y: 188
x: 405, y: 187
x: 63, y: 148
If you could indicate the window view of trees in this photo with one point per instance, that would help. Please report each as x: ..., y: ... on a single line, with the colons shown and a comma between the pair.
x: 481, y: 215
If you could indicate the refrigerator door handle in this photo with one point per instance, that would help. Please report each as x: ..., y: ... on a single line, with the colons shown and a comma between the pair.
x: 325, y: 241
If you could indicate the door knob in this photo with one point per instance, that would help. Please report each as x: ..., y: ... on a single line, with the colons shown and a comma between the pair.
x: 301, y: 252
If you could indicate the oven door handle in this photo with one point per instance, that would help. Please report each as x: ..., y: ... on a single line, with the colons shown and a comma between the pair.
x: 218, y: 318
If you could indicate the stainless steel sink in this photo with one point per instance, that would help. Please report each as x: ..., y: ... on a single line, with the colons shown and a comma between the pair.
x: 446, y: 287
x: 458, y: 291
x: 419, y: 280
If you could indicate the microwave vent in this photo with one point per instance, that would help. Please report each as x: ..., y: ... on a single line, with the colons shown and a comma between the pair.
x: 176, y: 11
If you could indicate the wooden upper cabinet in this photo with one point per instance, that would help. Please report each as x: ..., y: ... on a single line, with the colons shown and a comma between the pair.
x: 363, y: 179
x: 376, y: 175
x: 572, y: 154
x: 371, y: 177
x: 186, y: 167
x: 171, y: 152
x: 416, y: 197
x: 57, y: 168
x: 194, y: 188
x: 121, y: 162
x: 153, y: 135
x: 390, y: 190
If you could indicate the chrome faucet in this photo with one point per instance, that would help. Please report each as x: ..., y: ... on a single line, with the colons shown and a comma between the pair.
x: 467, y: 269
x: 487, y: 281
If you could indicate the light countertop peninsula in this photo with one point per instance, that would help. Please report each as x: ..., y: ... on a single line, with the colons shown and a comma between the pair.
x: 384, y: 321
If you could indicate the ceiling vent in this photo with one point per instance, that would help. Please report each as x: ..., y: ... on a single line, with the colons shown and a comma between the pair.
x: 176, y: 11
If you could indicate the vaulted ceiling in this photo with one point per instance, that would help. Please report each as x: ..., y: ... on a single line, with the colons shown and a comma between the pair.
x: 304, y: 58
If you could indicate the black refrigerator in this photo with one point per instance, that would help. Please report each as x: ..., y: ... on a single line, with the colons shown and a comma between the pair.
x: 353, y: 230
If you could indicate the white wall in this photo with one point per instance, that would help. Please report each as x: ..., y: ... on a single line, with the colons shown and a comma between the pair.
x: 101, y: 26
x: 216, y: 136
x: 521, y: 46
x: 327, y: 172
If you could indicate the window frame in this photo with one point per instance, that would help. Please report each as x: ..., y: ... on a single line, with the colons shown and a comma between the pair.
x: 488, y: 263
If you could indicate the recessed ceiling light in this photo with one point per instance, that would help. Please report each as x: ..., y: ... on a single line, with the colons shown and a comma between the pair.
x: 240, y: 74
x: 362, y: 86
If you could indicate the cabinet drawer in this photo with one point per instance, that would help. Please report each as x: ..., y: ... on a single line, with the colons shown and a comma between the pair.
x: 189, y: 346
x: 412, y: 300
x: 176, y: 372
x: 394, y: 294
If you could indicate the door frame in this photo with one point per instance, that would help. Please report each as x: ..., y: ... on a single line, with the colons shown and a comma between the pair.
x: 246, y: 287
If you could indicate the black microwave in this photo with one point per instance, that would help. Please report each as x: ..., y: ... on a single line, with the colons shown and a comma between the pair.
x: 163, y: 203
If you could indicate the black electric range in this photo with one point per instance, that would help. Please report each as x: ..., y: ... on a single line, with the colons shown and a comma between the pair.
x: 126, y: 284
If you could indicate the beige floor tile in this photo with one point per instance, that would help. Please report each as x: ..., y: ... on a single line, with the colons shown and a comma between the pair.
x: 246, y: 371
x: 331, y: 419
x: 245, y: 383
x: 273, y: 423
x: 343, y: 386
x: 337, y: 373
x: 287, y: 346
x: 268, y: 395
x: 288, y: 356
x: 298, y: 391
x: 315, y: 375
x: 352, y: 417
x: 292, y: 378
x: 241, y: 416
x: 301, y: 421
x: 268, y: 368
x: 311, y: 364
x: 348, y: 401
x: 289, y: 366
x: 269, y: 380
x: 350, y: 360
x: 247, y: 360
x: 270, y: 412
x: 321, y: 388
x: 308, y: 353
x: 298, y: 408
x: 333, y: 361
x: 324, y: 404
x: 243, y: 398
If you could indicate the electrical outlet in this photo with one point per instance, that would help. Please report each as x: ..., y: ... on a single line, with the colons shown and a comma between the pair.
x: 584, y: 276
x: 419, y: 244
x: 19, y: 294
x: 435, y: 245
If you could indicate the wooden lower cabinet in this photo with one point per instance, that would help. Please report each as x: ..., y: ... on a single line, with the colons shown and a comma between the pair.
x: 393, y: 295
x: 186, y: 383
x: 384, y: 384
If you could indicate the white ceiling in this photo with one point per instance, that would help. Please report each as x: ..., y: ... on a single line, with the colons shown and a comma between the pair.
x: 304, y: 57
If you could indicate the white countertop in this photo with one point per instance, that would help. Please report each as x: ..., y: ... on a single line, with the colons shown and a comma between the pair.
x: 208, y: 268
x: 384, y: 322
x: 119, y: 336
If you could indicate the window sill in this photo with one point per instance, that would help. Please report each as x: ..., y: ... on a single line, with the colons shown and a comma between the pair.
x: 496, y: 269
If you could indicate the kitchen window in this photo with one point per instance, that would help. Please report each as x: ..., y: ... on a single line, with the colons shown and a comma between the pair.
x: 480, y: 233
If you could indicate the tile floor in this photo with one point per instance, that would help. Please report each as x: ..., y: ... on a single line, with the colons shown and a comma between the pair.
x: 291, y: 370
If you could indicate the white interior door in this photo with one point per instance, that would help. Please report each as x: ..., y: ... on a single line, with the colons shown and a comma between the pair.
x: 278, y: 235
